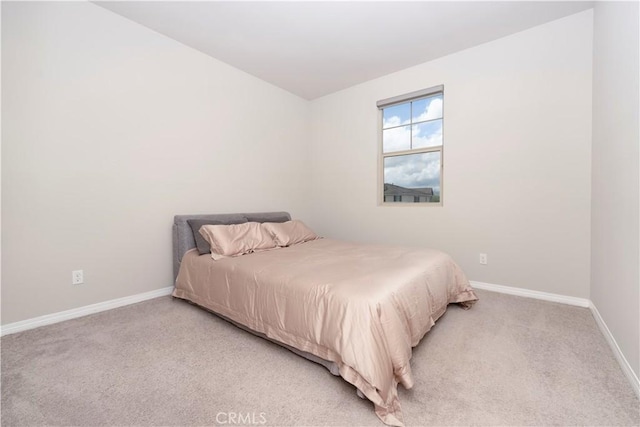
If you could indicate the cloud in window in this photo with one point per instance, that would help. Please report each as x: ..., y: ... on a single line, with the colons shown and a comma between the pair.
x: 423, y: 109
x: 421, y: 135
x: 399, y: 134
x: 427, y: 134
x: 431, y: 109
x: 414, y: 171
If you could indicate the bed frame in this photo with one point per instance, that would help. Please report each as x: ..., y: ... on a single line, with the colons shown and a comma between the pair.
x: 183, y: 241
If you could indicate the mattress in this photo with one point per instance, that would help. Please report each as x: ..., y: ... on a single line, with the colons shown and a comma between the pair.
x: 362, y: 307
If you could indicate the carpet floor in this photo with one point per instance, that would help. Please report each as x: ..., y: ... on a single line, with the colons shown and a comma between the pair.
x: 507, y: 361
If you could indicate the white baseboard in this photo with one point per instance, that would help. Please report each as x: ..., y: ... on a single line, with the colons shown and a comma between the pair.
x: 580, y: 302
x: 49, y: 319
x: 12, y: 328
x: 624, y: 364
x: 546, y: 296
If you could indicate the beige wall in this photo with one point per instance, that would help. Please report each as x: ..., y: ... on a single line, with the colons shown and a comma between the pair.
x: 517, y: 160
x: 109, y: 129
x: 615, y: 275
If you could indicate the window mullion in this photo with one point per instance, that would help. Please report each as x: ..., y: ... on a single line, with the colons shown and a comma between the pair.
x: 411, y: 125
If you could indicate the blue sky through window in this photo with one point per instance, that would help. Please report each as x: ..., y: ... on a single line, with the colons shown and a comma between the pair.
x: 413, y: 125
x: 396, y: 115
x: 398, y: 134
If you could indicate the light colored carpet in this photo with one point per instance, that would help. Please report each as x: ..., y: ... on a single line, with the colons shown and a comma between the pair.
x: 507, y: 361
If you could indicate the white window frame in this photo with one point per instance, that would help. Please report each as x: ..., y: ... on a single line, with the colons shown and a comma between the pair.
x: 403, y: 99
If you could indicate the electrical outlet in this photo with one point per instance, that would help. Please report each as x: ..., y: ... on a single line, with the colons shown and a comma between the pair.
x: 483, y: 259
x: 77, y: 277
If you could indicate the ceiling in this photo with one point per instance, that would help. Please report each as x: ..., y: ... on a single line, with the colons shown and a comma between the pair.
x: 315, y: 48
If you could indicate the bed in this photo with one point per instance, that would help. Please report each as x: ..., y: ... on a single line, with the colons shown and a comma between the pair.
x: 357, y: 309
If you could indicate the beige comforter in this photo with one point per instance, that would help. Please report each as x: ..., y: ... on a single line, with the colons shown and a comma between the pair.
x: 361, y: 306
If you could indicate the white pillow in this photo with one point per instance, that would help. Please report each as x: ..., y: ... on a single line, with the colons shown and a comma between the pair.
x: 236, y: 239
x: 290, y: 232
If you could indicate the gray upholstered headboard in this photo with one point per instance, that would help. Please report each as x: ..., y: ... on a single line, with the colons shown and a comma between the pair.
x: 183, y: 235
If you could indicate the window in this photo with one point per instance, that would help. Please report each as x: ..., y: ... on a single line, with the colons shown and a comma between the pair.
x: 411, y: 147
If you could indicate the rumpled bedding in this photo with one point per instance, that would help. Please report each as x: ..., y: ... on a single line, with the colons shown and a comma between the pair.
x: 363, y: 307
